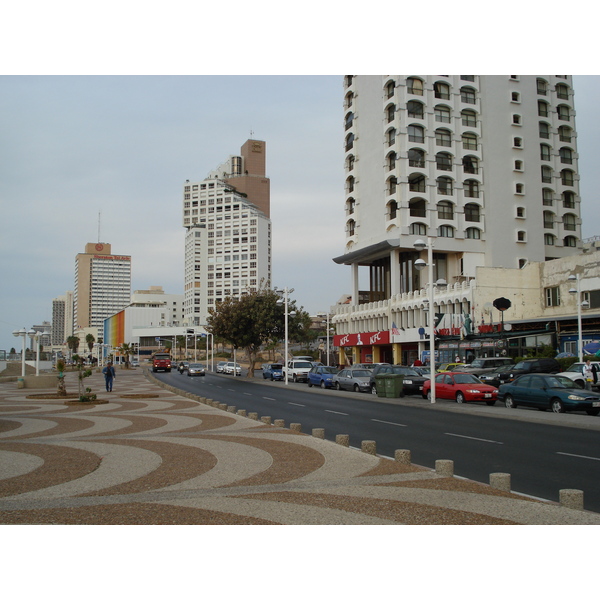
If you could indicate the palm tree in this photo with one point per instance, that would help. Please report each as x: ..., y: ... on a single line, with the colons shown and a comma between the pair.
x: 89, y: 340
x: 126, y: 350
x: 73, y: 343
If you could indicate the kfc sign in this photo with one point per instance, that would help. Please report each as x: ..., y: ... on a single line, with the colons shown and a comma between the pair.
x: 373, y: 338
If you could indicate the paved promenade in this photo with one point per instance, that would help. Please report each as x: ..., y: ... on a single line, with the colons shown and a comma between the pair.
x: 150, y: 456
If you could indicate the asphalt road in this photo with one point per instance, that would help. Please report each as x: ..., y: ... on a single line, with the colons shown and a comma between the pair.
x: 543, y: 452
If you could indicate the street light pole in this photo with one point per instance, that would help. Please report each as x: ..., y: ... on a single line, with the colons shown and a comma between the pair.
x: 419, y: 265
x: 286, y: 291
x: 580, y: 305
x: 23, y: 333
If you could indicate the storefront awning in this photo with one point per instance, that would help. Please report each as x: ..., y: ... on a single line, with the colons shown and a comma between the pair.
x: 368, y: 254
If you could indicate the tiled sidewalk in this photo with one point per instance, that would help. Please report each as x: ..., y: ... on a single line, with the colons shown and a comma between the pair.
x: 150, y: 456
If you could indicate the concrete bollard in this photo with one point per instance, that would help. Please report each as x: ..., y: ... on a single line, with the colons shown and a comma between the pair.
x: 369, y: 447
x: 223, y: 406
x: 500, y: 481
x: 231, y: 409
x: 266, y: 420
x: 279, y: 423
x: 216, y: 403
x: 319, y: 433
x: 253, y: 416
x: 403, y: 456
x: 242, y: 412
x: 343, y: 439
x: 445, y: 468
x: 296, y: 427
x: 571, y: 499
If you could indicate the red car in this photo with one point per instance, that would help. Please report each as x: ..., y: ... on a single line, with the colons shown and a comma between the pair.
x: 462, y: 387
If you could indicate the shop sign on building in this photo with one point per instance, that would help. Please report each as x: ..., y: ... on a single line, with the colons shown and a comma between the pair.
x: 372, y: 338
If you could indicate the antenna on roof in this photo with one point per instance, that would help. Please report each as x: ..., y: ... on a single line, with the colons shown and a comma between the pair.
x: 99, y: 214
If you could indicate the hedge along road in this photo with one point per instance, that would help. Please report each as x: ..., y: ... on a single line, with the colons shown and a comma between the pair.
x: 543, y: 452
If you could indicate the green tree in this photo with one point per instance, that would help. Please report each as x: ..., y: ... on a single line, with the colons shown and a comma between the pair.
x: 256, y: 319
x: 127, y: 351
x: 73, y: 343
x: 89, y: 340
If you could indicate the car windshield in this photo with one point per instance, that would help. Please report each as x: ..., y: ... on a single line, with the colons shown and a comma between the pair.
x: 575, y: 368
x: 466, y: 378
x: 302, y: 365
x: 276, y: 367
x: 404, y: 371
x: 561, y: 382
x: 331, y: 370
x: 361, y: 373
x: 196, y: 366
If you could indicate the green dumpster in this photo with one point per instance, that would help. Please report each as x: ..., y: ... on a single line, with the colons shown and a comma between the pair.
x: 380, y: 385
x: 394, y: 385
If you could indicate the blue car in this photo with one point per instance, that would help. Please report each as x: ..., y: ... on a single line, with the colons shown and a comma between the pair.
x: 554, y: 392
x: 321, y: 376
x: 273, y: 371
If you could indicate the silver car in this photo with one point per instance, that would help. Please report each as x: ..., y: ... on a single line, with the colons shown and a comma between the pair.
x: 232, y: 368
x: 355, y: 380
x: 196, y: 369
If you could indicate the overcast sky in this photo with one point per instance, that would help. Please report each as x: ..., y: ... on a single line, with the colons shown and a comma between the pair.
x: 88, y: 157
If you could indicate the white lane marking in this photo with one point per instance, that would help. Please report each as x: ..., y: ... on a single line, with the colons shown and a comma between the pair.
x: 474, y: 438
x: 335, y: 412
x: 267, y: 398
x: 578, y: 455
x: 302, y: 405
x: 247, y: 394
x: 389, y: 423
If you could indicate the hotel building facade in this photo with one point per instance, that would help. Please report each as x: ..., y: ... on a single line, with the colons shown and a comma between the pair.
x: 484, y: 167
x: 228, y: 232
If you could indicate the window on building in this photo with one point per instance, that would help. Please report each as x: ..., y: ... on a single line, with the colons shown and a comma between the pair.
x: 542, y: 87
x: 570, y: 241
x: 564, y: 112
x: 468, y: 77
x: 565, y: 133
x: 417, y: 207
x: 549, y: 239
x: 544, y: 130
x: 391, y: 161
x: 391, y: 112
x: 547, y: 197
x: 443, y: 137
x: 418, y: 229
x: 469, y: 141
x: 552, y: 296
x: 416, y: 158
x: 518, y: 165
x: 516, y: 119
x: 570, y: 222
x: 566, y: 156
x: 470, y: 165
x: 442, y: 114
x: 350, y: 227
x: 443, y: 161
x: 469, y: 118
x: 391, y: 137
x: 441, y: 90
x: 519, y: 188
x: 546, y: 174
x: 472, y: 212
x: 390, y: 87
x: 444, y: 186
x: 548, y: 219
x: 520, y: 212
x: 471, y: 188
x: 445, y: 210
x: 414, y: 86
x: 467, y: 95
x: 567, y: 177
x: 521, y: 236
x: 349, y: 163
x: 562, y: 91
x: 515, y: 97
x: 473, y: 233
x: 416, y: 133
x: 446, y: 231
x: 416, y: 182
x: 518, y: 142
x: 568, y: 199
x: 349, y: 120
x: 391, y: 186
x: 392, y: 209
x: 542, y: 108
x: 545, y: 152
x: 349, y: 141
x: 415, y: 109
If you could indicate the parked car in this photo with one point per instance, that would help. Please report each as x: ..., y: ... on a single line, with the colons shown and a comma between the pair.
x: 321, y: 376
x: 297, y: 370
x: 462, y: 387
x: 531, y: 365
x: 196, y: 369
x: 369, y: 366
x: 220, y: 366
x: 273, y: 371
x: 444, y: 367
x: 230, y: 367
x: 493, y: 377
x: 412, y: 383
x: 575, y: 372
x: 355, y: 380
x: 423, y: 371
x: 544, y: 391
x: 484, y: 365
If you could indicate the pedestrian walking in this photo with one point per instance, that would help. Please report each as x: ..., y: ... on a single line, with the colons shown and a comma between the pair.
x: 109, y: 375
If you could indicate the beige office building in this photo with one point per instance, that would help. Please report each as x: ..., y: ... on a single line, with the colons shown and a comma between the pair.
x: 102, y: 286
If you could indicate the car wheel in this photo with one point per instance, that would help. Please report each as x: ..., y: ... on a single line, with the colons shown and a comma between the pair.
x: 593, y: 411
x: 309, y: 383
x: 509, y: 401
x: 429, y: 395
x: 294, y: 379
x: 557, y: 406
x: 337, y: 386
x: 323, y: 385
x: 374, y: 390
x: 356, y: 388
x: 460, y: 398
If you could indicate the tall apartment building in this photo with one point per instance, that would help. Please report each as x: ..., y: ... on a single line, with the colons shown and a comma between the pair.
x: 62, y: 318
x: 486, y: 166
x: 228, y: 232
x: 102, y: 286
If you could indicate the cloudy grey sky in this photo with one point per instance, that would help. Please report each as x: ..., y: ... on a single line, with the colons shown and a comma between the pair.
x: 82, y: 152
